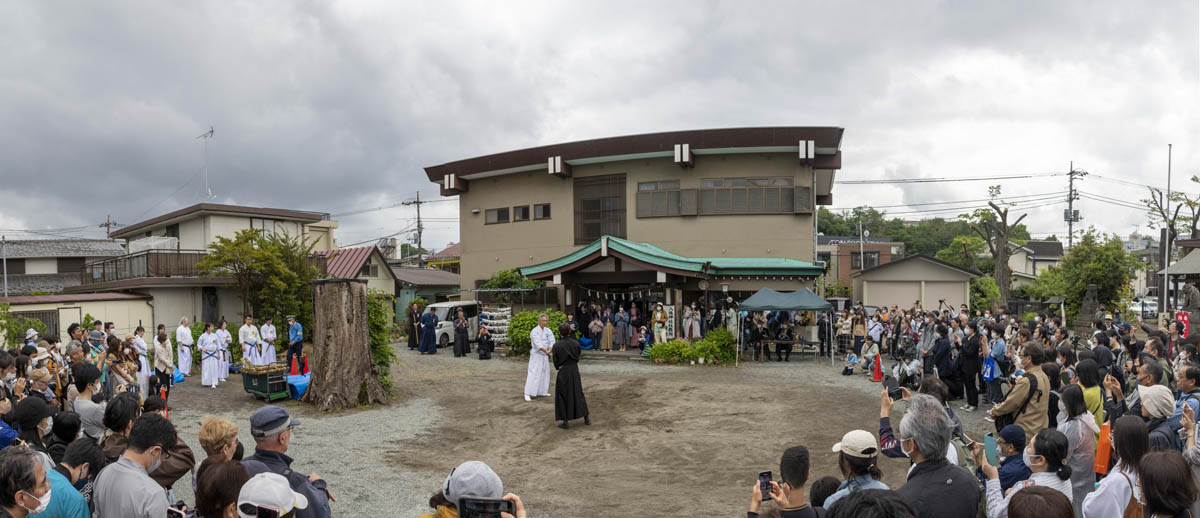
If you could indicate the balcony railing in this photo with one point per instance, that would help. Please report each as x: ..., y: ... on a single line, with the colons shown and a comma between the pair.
x: 149, y: 263
x: 156, y: 263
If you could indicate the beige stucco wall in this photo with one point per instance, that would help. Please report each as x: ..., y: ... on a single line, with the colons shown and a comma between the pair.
x: 198, y: 232
x: 126, y: 315
x: 192, y: 234
x: 320, y: 234
x: 384, y: 281
x: 41, y: 265
x: 1019, y: 262
x: 914, y: 279
x: 172, y: 303
x: 489, y: 248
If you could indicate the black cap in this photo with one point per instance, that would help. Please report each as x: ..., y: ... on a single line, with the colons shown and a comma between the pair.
x: 30, y: 411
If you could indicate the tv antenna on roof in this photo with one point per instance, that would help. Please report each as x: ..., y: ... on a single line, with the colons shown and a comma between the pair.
x: 206, y: 136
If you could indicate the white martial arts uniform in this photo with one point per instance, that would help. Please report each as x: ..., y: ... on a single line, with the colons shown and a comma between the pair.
x: 268, y: 344
x: 248, y: 335
x: 143, y: 373
x: 183, y: 336
x: 224, y: 339
x: 537, y: 379
x: 210, y: 359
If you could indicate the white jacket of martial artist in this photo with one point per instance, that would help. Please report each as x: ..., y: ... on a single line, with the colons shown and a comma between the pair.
x: 267, y: 332
x: 183, y: 336
x: 209, y: 342
x: 224, y: 338
x: 542, y: 340
x: 248, y: 335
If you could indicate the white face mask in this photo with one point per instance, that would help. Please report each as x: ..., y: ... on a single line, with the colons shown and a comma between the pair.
x: 46, y: 425
x: 43, y: 502
x: 907, y: 453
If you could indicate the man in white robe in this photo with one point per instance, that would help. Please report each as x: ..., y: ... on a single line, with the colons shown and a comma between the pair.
x: 183, y: 337
x: 210, y: 358
x: 248, y: 336
x: 267, y: 356
x: 541, y: 341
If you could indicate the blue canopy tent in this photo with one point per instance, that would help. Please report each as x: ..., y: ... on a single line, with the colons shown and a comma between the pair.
x: 768, y: 299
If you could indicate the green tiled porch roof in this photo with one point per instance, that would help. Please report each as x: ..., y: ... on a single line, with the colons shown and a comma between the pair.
x: 700, y: 266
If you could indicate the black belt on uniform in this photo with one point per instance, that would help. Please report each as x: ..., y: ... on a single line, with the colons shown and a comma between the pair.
x: 208, y: 355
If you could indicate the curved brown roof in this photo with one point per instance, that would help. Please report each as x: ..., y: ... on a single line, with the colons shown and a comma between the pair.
x: 824, y: 136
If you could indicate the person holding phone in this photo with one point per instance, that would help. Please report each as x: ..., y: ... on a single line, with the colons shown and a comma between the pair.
x: 788, y: 496
x: 1012, y: 469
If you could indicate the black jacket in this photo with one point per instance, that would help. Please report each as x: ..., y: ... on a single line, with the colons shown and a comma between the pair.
x: 938, y: 489
x: 274, y: 462
x: 942, y: 358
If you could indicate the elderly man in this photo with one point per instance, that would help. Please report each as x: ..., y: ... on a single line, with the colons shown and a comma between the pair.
x: 124, y: 488
x: 24, y: 488
x: 541, y: 342
x: 271, y: 428
x: 935, y: 487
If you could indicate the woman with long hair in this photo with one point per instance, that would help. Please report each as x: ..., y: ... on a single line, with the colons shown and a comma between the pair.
x: 1080, y: 428
x: 859, y: 330
x: 1118, y: 491
x: 1087, y: 372
x: 1168, y: 488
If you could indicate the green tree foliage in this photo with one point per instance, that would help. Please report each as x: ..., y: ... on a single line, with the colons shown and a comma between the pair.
x: 408, y: 250
x: 511, y: 279
x: 984, y: 293
x: 380, y: 321
x: 522, y: 323
x: 13, y: 326
x: 963, y: 251
x: 272, y: 272
x: 927, y: 236
x: 1095, y: 259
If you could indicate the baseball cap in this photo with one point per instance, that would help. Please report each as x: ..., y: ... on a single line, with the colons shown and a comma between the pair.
x: 30, y: 411
x: 270, y: 420
x: 268, y: 491
x: 858, y: 443
x: 290, y: 317
x: 472, y: 478
x: 1014, y: 435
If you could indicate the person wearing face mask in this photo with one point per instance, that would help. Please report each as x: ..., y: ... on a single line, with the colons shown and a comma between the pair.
x: 78, y: 467
x: 1117, y: 404
x: 91, y: 414
x: 34, y: 418
x: 935, y: 487
x: 1078, y: 425
x: 1027, y: 403
x: 124, y: 489
x: 24, y: 487
x: 1044, y: 456
x: 1188, y: 384
x: 1010, y: 442
x: 120, y: 418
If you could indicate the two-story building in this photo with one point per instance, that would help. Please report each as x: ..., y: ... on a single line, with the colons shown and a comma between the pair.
x: 1029, y: 260
x: 48, y: 266
x: 660, y: 217
x: 848, y: 254
x: 164, y: 251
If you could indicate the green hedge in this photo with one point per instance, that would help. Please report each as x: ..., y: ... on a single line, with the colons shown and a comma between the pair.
x: 717, y: 348
x: 380, y: 321
x: 522, y: 323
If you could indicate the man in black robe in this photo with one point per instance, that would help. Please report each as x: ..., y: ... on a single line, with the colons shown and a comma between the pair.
x: 569, y: 402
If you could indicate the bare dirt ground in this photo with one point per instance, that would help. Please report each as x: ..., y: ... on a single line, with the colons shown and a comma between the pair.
x: 664, y: 440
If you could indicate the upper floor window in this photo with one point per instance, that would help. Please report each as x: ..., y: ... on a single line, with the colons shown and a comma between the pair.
x: 369, y: 270
x: 897, y: 250
x: 856, y: 260
x: 661, y: 185
x: 757, y: 195
x: 496, y: 216
x: 541, y: 211
x: 599, y: 207
x: 520, y: 213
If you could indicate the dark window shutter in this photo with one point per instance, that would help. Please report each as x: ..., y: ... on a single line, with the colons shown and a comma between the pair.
x: 688, y: 202
x: 802, y: 201
x: 70, y: 264
x: 739, y: 201
x: 643, y: 204
x: 754, y: 202
x: 708, y: 201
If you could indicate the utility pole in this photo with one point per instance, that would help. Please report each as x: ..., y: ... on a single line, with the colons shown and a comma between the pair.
x: 4, y: 257
x: 1071, y: 215
x: 420, y: 227
x: 108, y: 224
x: 1166, y: 243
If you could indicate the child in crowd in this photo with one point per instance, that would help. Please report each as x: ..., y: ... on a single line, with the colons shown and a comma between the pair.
x: 870, y: 351
x: 851, y: 361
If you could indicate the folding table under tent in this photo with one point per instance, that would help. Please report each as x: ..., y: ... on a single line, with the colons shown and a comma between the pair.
x: 768, y: 299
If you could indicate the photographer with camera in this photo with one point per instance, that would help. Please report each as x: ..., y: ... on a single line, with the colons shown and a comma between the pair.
x: 473, y: 490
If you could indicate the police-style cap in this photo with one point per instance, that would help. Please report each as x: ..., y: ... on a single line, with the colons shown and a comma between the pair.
x: 270, y: 420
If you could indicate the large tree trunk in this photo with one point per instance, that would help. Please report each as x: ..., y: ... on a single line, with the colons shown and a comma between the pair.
x: 342, y: 372
x: 1001, y: 272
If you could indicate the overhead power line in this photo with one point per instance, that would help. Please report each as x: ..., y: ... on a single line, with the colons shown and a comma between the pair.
x: 1006, y: 198
x: 948, y: 179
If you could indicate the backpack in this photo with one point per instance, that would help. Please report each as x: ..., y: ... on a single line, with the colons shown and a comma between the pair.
x: 1007, y: 419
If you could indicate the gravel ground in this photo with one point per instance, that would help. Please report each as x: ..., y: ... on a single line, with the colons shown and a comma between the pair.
x: 664, y: 439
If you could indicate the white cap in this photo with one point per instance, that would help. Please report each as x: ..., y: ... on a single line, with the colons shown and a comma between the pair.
x: 270, y: 491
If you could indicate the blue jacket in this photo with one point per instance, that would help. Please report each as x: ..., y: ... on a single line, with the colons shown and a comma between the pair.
x: 65, y: 500
x: 295, y: 332
x: 274, y: 462
x: 1011, y: 470
x: 1191, y: 399
x: 998, y: 349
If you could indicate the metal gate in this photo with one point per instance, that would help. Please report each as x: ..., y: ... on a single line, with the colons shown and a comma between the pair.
x: 50, y: 318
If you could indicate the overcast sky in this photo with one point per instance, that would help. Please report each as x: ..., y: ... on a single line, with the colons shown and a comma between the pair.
x: 337, y: 106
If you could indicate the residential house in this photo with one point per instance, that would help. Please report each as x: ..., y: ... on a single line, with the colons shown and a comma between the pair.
x: 426, y: 283
x: 126, y: 311
x: 447, y: 259
x: 1031, y: 259
x: 47, y: 266
x: 842, y: 254
x: 164, y: 252
x: 364, y: 263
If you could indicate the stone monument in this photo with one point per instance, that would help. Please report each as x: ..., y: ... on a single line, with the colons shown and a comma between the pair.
x: 1087, y: 312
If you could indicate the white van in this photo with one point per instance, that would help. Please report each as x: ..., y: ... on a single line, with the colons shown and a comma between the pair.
x: 446, y: 313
